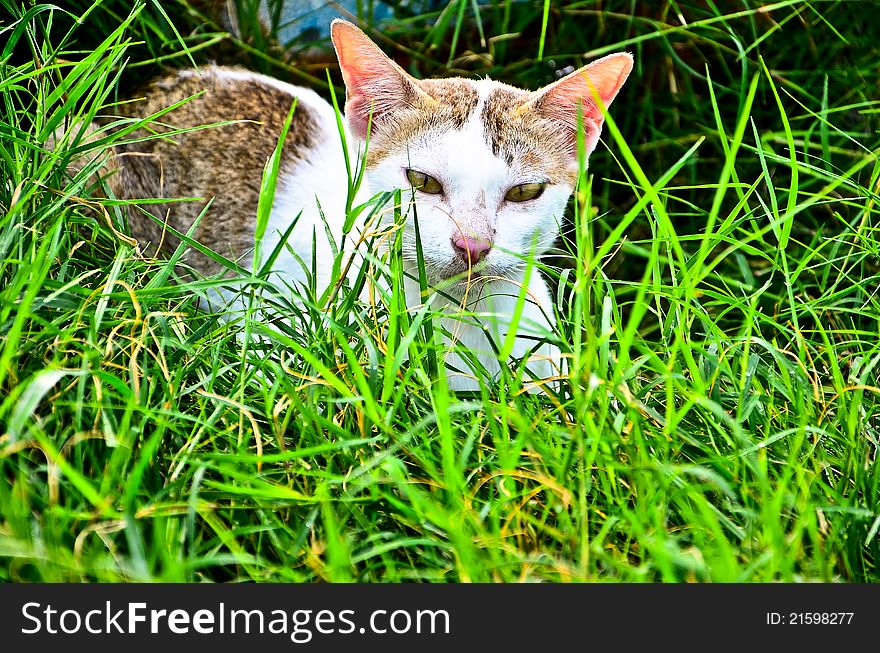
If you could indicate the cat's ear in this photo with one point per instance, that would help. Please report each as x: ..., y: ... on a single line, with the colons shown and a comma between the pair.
x: 374, y: 84
x: 579, y: 91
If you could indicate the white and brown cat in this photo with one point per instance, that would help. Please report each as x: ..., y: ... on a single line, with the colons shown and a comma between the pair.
x: 487, y: 168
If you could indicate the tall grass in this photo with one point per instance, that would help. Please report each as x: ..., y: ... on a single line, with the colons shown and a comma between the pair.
x: 717, y: 287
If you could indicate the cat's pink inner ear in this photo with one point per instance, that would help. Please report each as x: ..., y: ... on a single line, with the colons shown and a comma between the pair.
x: 582, y: 90
x: 374, y: 84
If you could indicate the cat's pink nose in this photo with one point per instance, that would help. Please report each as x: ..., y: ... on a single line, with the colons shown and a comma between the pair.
x: 470, y: 250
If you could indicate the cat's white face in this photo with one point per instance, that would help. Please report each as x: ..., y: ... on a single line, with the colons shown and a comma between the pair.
x: 487, y: 168
x: 480, y: 216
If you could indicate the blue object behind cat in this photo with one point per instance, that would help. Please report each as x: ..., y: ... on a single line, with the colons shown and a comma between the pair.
x: 310, y: 19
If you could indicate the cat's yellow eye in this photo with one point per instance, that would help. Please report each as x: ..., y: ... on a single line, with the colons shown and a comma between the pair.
x: 425, y: 183
x: 525, y: 192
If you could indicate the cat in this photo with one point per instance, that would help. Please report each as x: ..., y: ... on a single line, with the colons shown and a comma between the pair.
x: 486, y: 171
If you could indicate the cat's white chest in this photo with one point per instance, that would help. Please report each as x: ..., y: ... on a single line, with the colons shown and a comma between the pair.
x: 494, y: 330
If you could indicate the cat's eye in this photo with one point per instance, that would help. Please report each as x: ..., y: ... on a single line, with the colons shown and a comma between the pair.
x: 425, y: 183
x: 525, y: 192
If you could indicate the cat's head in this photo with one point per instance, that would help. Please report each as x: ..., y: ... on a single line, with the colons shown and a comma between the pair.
x: 492, y: 165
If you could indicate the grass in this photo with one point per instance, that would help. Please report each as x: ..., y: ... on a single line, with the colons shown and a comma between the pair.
x: 718, y: 299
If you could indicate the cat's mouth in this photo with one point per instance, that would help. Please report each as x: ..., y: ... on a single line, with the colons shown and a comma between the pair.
x: 457, y: 275
x: 461, y: 276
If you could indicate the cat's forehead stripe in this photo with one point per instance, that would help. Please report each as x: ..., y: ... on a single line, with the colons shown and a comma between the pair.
x: 498, y: 110
x: 516, y: 131
x: 458, y: 99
